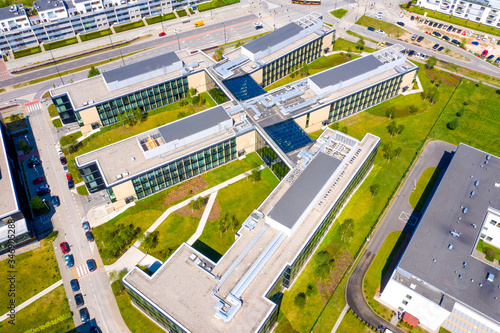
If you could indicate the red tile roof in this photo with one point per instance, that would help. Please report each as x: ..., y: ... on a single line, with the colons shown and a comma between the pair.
x: 411, y: 320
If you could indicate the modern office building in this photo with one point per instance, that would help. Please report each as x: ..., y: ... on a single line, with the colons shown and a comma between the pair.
x: 14, y: 229
x: 441, y: 278
x: 479, y: 11
x: 242, y: 291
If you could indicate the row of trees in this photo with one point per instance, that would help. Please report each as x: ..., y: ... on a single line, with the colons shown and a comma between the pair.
x: 301, y: 298
x: 116, y: 238
x: 132, y: 117
x: 226, y: 222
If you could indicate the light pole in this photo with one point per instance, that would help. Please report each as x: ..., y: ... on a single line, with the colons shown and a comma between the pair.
x: 161, y: 17
x: 57, y: 69
x: 178, y: 43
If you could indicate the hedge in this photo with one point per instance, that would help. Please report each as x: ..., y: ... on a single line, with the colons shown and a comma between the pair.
x: 96, y: 34
x: 60, y: 43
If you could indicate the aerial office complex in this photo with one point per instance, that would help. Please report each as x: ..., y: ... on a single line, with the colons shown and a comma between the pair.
x: 14, y: 229
x: 241, y: 292
x: 480, y: 11
x: 441, y: 278
x: 58, y: 19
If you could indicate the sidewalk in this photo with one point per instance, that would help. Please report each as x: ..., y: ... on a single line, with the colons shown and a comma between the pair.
x: 203, y: 220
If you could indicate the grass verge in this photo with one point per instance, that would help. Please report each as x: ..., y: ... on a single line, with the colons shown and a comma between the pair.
x: 27, y: 52
x: 345, y: 45
x: 96, y: 34
x: 482, y: 247
x: 57, y: 122
x: 352, y: 33
x: 135, y: 319
x: 181, y: 12
x: 161, y: 18
x: 423, y: 189
x: 60, y: 43
x: 469, y: 73
x: 52, y: 111
x: 129, y: 26
x: 339, y: 13
x: 82, y: 190
x: 388, y: 28
x: 215, y: 4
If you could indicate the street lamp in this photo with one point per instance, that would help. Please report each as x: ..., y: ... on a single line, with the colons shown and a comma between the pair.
x: 178, y: 43
x: 55, y: 63
x: 45, y: 202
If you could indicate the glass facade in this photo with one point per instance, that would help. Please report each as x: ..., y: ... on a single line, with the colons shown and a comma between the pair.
x: 179, y: 170
x: 270, y: 157
x: 146, y: 99
x: 92, y: 178
x: 64, y: 108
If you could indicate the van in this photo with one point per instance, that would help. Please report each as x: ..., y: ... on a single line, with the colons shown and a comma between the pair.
x: 485, y: 38
x: 186, y: 20
x: 414, y: 37
x: 199, y: 24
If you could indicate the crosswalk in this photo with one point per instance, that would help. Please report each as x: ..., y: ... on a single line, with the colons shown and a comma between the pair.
x: 81, y: 271
x: 33, y: 106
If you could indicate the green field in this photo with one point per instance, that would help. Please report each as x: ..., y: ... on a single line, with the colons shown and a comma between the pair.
x: 51, y: 307
x: 233, y: 169
x: 215, y: 4
x: 136, y: 321
x: 52, y: 111
x: 238, y: 199
x: 57, y: 123
x: 27, y: 52
x: 95, y: 34
x: 70, y: 138
x: 424, y: 187
x: 390, y: 29
x: 129, y: 26
x: 158, y: 19
x: 181, y: 12
x: 345, y: 45
x: 60, y: 43
x: 82, y: 190
x: 339, y: 13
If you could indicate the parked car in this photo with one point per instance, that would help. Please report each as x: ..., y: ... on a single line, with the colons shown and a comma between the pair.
x: 412, y: 17
x: 440, y: 26
x: 493, y: 40
x: 70, y: 262
x: 498, y: 43
x: 65, y: 168
x: 90, y: 236
x: 491, y: 56
x: 75, y: 286
x: 55, y: 201
x: 497, y: 60
x: 454, y: 41
x: 426, y: 21
x: 63, y: 160
x: 435, y: 46
x: 33, y: 161
x: 485, y: 38
x: 381, y: 31
x: 475, y: 43
x: 91, y: 265
x: 411, y: 53
x: 86, y: 226
x: 422, y: 56
x: 479, y: 37
x: 79, y: 300
x: 431, y: 23
x: 258, y: 25
x: 469, y: 33
x: 417, y: 55
x: 454, y: 29
x: 71, y: 184
x: 177, y: 30
x: 371, y: 28
x: 437, y: 34
x: 449, y: 28
x: 445, y: 27
x: 161, y: 34
x: 68, y: 177
x: 459, y: 31
x: 485, y: 53
x: 84, y: 315
x: 64, y: 247
x: 441, y: 48
x: 43, y: 187
x: 420, y: 38
x: 414, y: 37
x: 435, y: 25
x: 38, y: 180
x: 446, y: 38
x: 401, y: 23
x: 42, y: 192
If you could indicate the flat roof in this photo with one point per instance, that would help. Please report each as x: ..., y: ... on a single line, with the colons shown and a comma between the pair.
x: 295, y: 201
x: 44, y: 5
x: 273, y: 38
x: 8, y: 200
x: 346, y: 71
x: 445, y: 214
x: 6, y: 14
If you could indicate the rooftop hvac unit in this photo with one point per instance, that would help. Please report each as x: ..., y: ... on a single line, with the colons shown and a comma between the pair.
x: 490, y: 277
x: 119, y: 176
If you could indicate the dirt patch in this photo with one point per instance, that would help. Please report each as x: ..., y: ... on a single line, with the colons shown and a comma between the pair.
x: 448, y: 80
x: 196, y: 213
x: 328, y: 285
x: 215, y: 212
x: 186, y: 190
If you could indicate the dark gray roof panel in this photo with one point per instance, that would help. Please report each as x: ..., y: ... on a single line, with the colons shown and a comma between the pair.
x: 140, y: 67
x: 44, y: 5
x: 346, y: 71
x: 5, y: 13
x: 432, y: 237
x: 273, y: 38
x: 303, y: 191
x: 194, y: 124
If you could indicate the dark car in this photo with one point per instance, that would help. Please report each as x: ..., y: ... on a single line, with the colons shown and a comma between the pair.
x: 454, y: 29
x: 440, y: 26
x: 490, y: 57
x: 441, y: 48
x: 90, y: 236
x: 497, y: 60
x: 63, y: 160
x: 75, y: 286
x: 371, y: 28
x: 420, y: 38
x: 42, y: 187
x: 431, y: 23
x: 70, y: 261
x: 71, y: 184
x: 435, y: 46
x: 459, y: 31
x: 498, y: 43
x: 84, y: 315
x: 42, y: 192
x: 411, y: 53
x: 412, y: 17
x: 449, y: 28
x: 86, y: 226
x: 55, y: 201
x: 91, y: 265
x: 64, y: 247
x: 446, y: 38
x: 435, y: 25
x: 475, y: 43
x: 38, y: 180
x: 400, y: 23
x: 454, y: 41
x: 33, y: 162
x: 79, y: 300
x: 437, y: 34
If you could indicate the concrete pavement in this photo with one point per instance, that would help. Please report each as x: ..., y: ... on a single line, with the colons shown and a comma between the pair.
x: 203, y: 220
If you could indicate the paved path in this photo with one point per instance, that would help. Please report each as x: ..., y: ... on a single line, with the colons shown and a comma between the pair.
x: 339, y: 320
x: 203, y: 220
x: 34, y: 298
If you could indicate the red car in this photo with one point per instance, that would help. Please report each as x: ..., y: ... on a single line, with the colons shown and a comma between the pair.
x: 68, y: 177
x: 161, y: 34
x: 64, y: 247
x: 38, y: 180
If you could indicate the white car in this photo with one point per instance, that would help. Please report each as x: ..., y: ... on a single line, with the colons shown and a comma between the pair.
x: 417, y: 55
x: 469, y: 33
x: 381, y: 31
x: 422, y: 56
x: 177, y: 30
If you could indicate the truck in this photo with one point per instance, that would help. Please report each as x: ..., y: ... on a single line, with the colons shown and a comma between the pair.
x: 199, y: 24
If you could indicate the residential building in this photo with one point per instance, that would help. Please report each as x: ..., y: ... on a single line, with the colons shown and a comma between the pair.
x: 441, y: 278
x: 479, y: 11
x: 50, y: 10
x: 241, y: 292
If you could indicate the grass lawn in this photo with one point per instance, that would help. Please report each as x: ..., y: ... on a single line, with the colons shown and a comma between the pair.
x: 82, y: 190
x: 158, y: 19
x: 351, y: 323
x: 388, y: 28
x: 237, y: 167
x: 147, y: 210
x: 181, y: 12
x: 52, y: 111
x: 27, y: 52
x: 339, y: 13
x: 96, y: 34
x: 215, y: 4
x: 240, y: 199
x: 173, y: 231
x: 482, y: 246
x: 50, y: 307
x: 314, y: 67
x: 35, y: 270
x: 424, y: 187
x: 70, y: 138
x: 470, y: 73
x: 378, y: 269
x: 129, y: 26
x: 135, y: 319
x: 57, y: 122
x: 60, y: 43
x: 345, y: 45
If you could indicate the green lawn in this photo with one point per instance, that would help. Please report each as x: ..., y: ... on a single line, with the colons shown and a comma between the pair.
x: 215, y: 4
x: 470, y: 73
x: 60, y: 43
x: 70, y: 138
x: 27, y: 52
x: 388, y: 28
x: 129, y: 26
x: 135, y: 319
x: 424, y: 187
x: 52, y: 111
x: 51, y: 307
x: 96, y: 34
x: 378, y: 269
x: 345, y: 45
x: 175, y: 230
x: 15, y: 123
x: 181, y: 12
x: 147, y: 210
x: 353, y: 324
x: 35, y: 270
x: 240, y: 199
x: 339, y: 13
x: 158, y: 19
x: 82, y: 190
x: 482, y: 246
x: 314, y: 67
x: 237, y: 167
x: 57, y: 123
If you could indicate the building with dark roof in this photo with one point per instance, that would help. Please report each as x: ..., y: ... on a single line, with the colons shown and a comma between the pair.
x: 441, y: 278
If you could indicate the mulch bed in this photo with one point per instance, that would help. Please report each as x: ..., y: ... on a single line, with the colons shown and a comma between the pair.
x: 186, y: 190
x: 327, y: 287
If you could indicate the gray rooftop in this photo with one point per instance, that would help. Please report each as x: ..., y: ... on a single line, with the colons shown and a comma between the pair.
x: 8, y: 201
x: 432, y: 237
x: 273, y: 38
x: 193, y: 124
x: 6, y: 14
x: 43, y: 5
x: 294, y: 202
x: 346, y: 71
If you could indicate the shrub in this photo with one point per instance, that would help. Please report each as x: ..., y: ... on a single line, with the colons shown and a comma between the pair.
x: 300, y: 300
x: 460, y: 113
x: 490, y: 253
x: 453, y: 125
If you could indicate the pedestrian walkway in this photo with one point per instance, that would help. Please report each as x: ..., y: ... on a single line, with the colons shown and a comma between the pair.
x: 80, y: 271
x: 34, y: 298
x: 33, y: 106
x: 341, y: 317
x: 203, y: 220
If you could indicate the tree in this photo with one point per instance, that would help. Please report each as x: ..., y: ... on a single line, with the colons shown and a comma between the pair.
x: 93, y: 72
x: 300, y: 300
x: 344, y: 129
x: 453, y: 125
x: 388, y: 151
x: 463, y: 42
x: 390, y: 112
x: 238, y: 45
x: 400, y: 129
x: 392, y: 128
x: 196, y: 204
x: 397, y: 151
x: 24, y: 146
x: 36, y: 203
x: 234, y: 222
x: 15, y: 117
x: 322, y: 264
x: 310, y: 290
x: 218, y: 54
x: 149, y: 240
x: 490, y: 253
x: 430, y: 62
x: 223, y: 223
x: 375, y: 189
x: 346, y: 230
x: 360, y: 44
x: 412, y: 109
x: 255, y: 175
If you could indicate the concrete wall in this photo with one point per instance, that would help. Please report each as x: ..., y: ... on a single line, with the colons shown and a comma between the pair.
x: 316, y: 119
x: 122, y: 191
x: 257, y: 76
x: 407, y: 81
x: 246, y: 142
x: 327, y: 43
x: 89, y: 116
x: 199, y: 81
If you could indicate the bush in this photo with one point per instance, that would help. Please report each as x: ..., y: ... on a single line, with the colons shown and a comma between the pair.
x: 129, y: 26
x: 93, y: 72
x: 95, y: 34
x: 453, y: 125
x: 26, y: 52
x: 300, y: 300
x: 460, y: 113
x: 181, y: 13
x: 117, y: 287
x: 412, y: 108
x: 60, y: 43
x: 159, y: 18
x: 490, y: 253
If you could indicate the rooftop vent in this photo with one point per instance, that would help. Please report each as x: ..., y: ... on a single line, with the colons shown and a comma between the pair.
x: 490, y: 277
x: 450, y: 246
x: 488, y: 156
x: 125, y: 174
x: 119, y: 176
x: 464, y: 210
x: 472, y: 193
x: 476, y: 182
x: 454, y: 233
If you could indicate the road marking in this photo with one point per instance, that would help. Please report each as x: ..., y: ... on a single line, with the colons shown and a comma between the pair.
x: 81, y: 271
x: 407, y: 218
x: 33, y: 106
